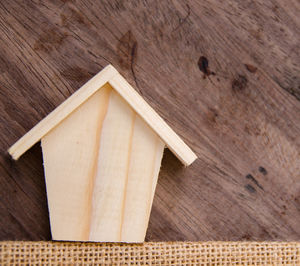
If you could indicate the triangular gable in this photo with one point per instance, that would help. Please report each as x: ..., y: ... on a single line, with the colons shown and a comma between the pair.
x: 108, y: 75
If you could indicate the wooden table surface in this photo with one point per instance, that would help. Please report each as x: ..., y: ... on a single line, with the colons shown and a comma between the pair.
x: 223, y: 74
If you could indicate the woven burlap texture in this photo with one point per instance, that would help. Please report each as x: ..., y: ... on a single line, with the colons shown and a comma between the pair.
x: 150, y: 253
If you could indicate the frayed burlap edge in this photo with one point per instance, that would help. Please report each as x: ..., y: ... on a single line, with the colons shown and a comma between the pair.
x: 150, y: 253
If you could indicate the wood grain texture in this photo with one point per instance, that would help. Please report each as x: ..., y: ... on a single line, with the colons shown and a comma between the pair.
x: 101, y: 168
x: 70, y: 152
x: 107, y: 75
x: 61, y: 112
x: 163, y: 130
x: 243, y: 124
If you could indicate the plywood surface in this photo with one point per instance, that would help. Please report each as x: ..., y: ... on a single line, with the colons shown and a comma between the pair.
x: 237, y: 107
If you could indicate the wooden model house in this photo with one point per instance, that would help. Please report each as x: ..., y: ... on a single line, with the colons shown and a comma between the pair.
x: 102, y: 151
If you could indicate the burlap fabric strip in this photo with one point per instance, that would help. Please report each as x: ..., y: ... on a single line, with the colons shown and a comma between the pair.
x: 150, y: 253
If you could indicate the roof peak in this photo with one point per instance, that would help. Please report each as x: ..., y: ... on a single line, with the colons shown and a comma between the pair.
x: 108, y: 75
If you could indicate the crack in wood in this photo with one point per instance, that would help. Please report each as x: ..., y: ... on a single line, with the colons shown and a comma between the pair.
x: 183, y: 20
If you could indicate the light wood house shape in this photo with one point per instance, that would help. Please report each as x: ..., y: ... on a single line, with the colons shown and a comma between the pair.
x: 102, y: 151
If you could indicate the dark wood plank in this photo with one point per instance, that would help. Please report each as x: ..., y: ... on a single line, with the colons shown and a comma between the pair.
x: 239, y: 110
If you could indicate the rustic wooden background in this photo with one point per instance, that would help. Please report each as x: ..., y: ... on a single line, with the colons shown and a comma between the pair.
x: 223, y: 74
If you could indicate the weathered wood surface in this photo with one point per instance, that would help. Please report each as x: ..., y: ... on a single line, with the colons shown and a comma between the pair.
x: 242, y: 118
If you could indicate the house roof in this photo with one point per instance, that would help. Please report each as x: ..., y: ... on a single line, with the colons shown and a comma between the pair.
x: 111, y: 75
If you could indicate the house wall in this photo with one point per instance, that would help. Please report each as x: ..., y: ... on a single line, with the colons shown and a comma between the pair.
x: 101, y: 167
